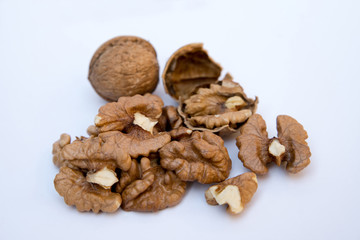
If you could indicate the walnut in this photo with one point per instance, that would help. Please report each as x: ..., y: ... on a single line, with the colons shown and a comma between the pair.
x: 222, y: 107
x: 200, y: 157
x: 290, y: 147
x: 143, y: 111
x: 236, y: 192
x: 206, y: 104
x: 155, y: 190
x: 88, y: 193
x: 124, y: 66
x: 188, y: 68
x: 113, y: 146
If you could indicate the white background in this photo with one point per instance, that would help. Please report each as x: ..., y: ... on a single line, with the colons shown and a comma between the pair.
x: 302, y: 58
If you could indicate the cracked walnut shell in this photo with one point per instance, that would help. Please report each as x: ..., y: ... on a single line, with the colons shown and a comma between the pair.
x: 124, y: 66
x: 236, y: 192
x: 189, y: 67
x: 199, y: 157
x: 222, y: 107
x: 155, y: 190
x: 290, y: 147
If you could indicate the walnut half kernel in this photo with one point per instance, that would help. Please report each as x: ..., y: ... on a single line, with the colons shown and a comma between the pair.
x: 104, y: 177
x: 256, y: 150
x: 236, y: 192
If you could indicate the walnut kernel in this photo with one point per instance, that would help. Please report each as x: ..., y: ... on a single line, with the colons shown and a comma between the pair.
x: 290, y: 147
x: 236, y: 192
x: 200, y: 157
x: 155, y: 190
x: 86, y: 196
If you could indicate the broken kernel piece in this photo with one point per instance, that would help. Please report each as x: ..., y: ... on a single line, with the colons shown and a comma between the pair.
x: 236, y: 192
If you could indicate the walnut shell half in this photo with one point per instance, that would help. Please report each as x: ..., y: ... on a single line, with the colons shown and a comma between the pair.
x: 124, y: 66
x: 189, y: 67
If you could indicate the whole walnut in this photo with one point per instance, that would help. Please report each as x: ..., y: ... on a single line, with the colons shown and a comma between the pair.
x: 124, y: 66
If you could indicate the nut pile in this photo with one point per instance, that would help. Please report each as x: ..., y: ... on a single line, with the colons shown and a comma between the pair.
x: 140, y: 155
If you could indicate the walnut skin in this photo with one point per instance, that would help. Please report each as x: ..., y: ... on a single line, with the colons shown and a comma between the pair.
x: 86, y: 196
x: 236, y: 192
x: 157, y: 189
x: 189, y: 67
x: 290, y: 147
x: 124, y: 66
x: 222, y: 107
x: 201, y: 157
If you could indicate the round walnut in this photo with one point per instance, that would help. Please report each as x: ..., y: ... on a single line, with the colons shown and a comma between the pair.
x: 124, y: 66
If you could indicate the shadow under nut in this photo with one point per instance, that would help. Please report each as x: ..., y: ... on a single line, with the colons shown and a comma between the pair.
x: 124, y: 66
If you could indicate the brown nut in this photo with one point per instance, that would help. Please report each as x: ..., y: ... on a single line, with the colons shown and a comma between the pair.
x: 124, y: 66
x: 236, y: 192
x: 90, y: 193
x: 200, y: 157
x: 189, y: 67
x: 143, y: 111
x: 157, y: 189
x: 290, y: 147
x: 221, y: 107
